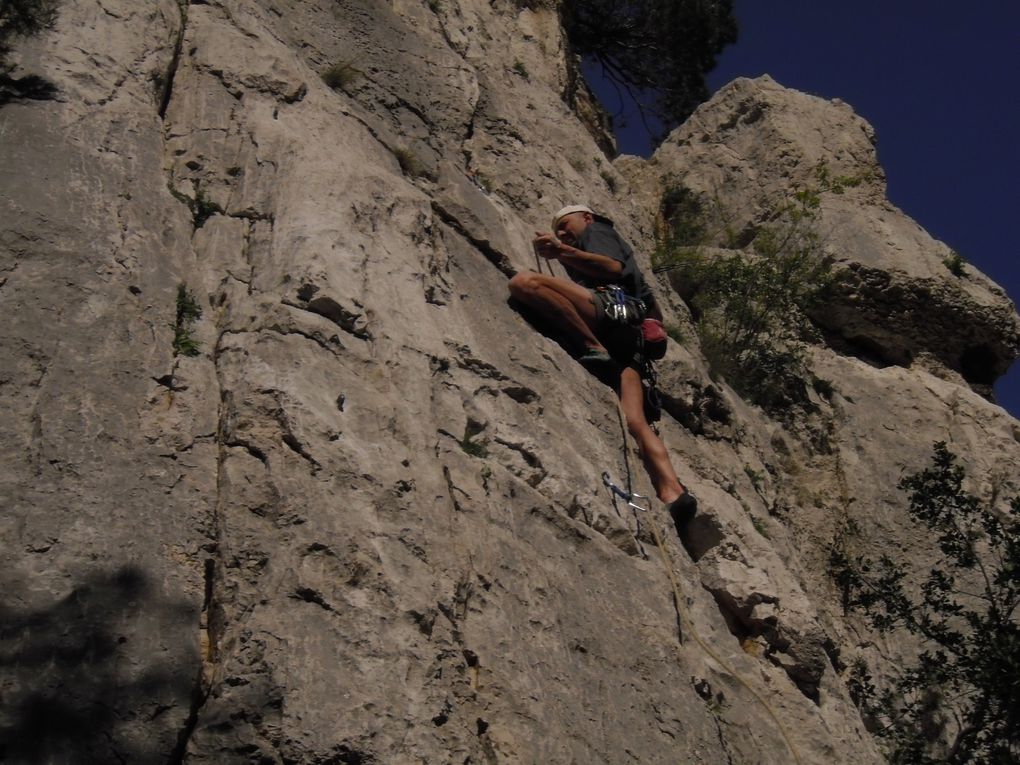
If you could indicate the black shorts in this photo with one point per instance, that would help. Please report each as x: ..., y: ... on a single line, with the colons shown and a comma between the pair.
x: 623, y: 341
x: 598, y: 300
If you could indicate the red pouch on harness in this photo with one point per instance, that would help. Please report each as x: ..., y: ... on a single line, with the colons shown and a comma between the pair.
x: 654, y: 335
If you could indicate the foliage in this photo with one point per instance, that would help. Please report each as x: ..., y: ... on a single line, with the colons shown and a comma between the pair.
x: 341, y: 75
x: 473, y: 448
x: 751, y: 307
x: 684, y: 216
x: 756, y: 477
x: 20, y: 18
x: 578, y: 163
x: 955, y: 263
x: 202, y: 208
x: 521, y: 70
x: 836, y: 184
x: 188, y: 312
x: 676, y: 333
x: 408, y: 161
x: 657, y: 49
x: 960, y: 701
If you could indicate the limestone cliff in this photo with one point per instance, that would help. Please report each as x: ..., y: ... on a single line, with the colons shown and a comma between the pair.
x: 365, y: 523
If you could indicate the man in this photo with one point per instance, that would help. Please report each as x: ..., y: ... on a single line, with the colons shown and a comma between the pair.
x: 594, y: 255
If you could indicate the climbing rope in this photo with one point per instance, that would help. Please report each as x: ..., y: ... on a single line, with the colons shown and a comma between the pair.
x: 683, y: 617
x: 538, y: 262
x: 667, y: 562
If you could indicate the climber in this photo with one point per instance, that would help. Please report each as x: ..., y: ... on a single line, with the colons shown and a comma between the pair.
x: 596, y: 257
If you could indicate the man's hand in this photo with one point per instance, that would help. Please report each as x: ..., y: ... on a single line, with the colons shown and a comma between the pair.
x: 547, y: 245
x: 592, y: 264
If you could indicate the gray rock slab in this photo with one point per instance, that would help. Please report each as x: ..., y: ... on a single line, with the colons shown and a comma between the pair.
x: 365, y: 521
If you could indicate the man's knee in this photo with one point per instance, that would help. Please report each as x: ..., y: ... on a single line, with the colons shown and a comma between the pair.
x: 639, y: 428
x: 637, y: 422
x: 524, y: 284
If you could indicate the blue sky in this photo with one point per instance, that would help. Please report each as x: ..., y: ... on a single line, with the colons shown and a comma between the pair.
x: 939, y: 83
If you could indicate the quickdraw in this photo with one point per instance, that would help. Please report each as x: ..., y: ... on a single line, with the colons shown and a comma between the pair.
x: 684, y: 620
x: 621, y: 307
x: 626, y: 496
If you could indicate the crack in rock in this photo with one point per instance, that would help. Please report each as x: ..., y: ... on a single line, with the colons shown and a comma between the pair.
x: 167, y: 81
x: 349, y: 321
x: 494, y: 256
x: 309, y: 595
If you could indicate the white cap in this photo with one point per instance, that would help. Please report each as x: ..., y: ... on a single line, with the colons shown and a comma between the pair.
x: 568, y: 210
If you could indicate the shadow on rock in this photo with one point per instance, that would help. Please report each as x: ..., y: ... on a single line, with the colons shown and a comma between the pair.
x: 31, y: 87
x: 97, y: 676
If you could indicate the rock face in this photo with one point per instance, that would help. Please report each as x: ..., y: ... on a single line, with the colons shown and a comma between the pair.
x: 900, y: 302
x: 365, y: 523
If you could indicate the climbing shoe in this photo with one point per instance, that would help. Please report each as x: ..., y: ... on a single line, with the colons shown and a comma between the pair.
x: 683, y: 509
x: 593, y: 357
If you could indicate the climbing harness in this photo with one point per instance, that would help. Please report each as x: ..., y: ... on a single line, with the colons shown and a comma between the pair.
x: 623, y: 335
x: 683, y: 618
x: 621, y: 307
x: 628, y: 337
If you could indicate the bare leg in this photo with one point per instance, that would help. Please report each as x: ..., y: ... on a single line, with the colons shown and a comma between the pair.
x: 653, y: 451
x: 562, y: 302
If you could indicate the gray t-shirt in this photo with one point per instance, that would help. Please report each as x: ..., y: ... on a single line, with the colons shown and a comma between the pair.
x: 601, y: 239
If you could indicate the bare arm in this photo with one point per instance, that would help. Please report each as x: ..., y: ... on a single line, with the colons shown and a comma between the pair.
x: 588, y: 263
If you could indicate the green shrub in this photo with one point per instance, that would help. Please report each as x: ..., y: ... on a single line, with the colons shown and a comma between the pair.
x: 955, y: 263
x: 684, y: 216
x: 521, y: 70
x: 202, y: 208
x: 836, y: 184
x: 578, y: 163
x: 750, y: 307
x: 409, y: 162
x: 959, y: 701
x: 675, y: 333
x: 756, y: 477
x: 473, y: 448
x: 188, y: 312
x: 21, y: 18
x: 658, y: 51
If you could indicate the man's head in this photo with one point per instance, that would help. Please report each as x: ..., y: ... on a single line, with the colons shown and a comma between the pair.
x: 569, y: 222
